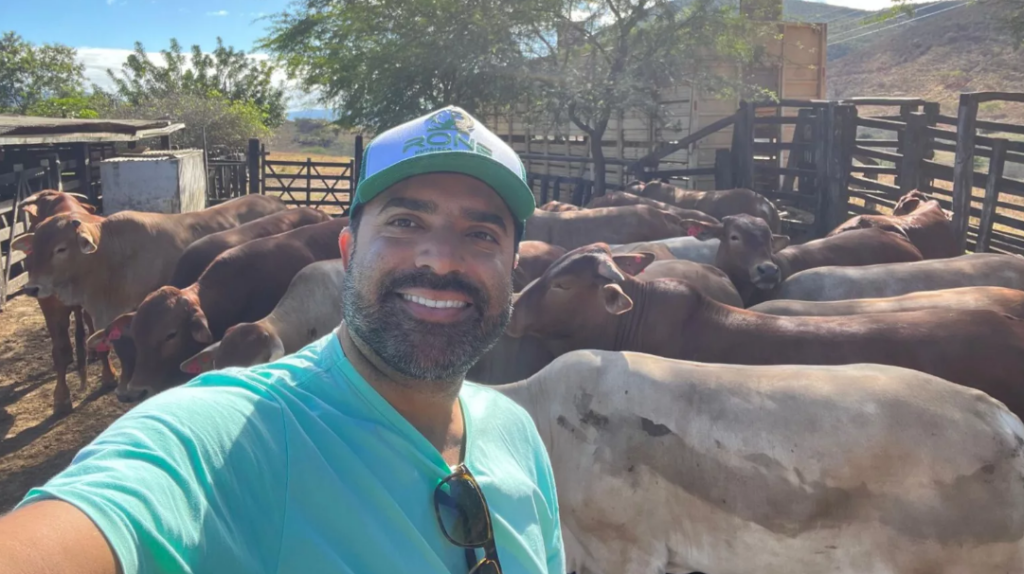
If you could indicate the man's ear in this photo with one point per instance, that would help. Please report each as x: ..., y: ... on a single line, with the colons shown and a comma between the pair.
x: 779, y: 242
x: 345, y: 245
x: 703, y: 230
x: 615, y: 299
x: 515, y: 261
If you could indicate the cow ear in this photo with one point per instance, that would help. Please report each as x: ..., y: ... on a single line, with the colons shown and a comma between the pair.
x: 202, y: 361
x: 32, y: 209
x: 23, y: 243
x: 86, y: 241
x: 633, y: 263
x: 606, y: 268
x: 615, y: 299
x: 98, y: 342
x: 120, y: 327
x: 779, y: 242
x: 703, y: 230
x: 88, y: 207
x: 200, y: 328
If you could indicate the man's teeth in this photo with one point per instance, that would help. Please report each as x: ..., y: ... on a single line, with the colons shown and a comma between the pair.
x: 435, y: 304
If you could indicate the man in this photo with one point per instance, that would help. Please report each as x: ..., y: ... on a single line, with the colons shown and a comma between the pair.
x: 363, y: 452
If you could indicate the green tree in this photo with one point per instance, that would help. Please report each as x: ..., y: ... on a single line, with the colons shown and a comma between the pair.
x: 602, y: 57
x: 30, y: 74
x: 380, y: 63
x: 78, y: 106
x: 230, y: 73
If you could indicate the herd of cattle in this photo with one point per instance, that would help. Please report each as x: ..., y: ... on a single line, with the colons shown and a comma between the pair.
x: 712, y: 398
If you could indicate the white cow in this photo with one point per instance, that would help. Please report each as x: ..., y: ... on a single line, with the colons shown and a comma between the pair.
x: 672, y: 466
x: 309, y: 309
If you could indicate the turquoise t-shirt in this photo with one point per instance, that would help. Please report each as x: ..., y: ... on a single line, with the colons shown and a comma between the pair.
x: 300, y: 466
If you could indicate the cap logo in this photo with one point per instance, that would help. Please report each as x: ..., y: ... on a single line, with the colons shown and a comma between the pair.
x: 447, y: 130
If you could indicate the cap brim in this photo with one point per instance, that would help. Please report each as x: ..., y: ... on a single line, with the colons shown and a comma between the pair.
x: 513, y: 190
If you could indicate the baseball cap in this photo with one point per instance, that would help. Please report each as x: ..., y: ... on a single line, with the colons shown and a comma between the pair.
x: 445, y: 140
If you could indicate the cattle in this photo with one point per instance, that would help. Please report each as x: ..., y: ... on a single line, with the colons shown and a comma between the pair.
x: 309, y: 309
x: 243, y: 284
x: 622, y: 198
x: 572, y: 229
x: 895, y: 279
x: 511, y: 359
x: 685, y: 248
x: 717, y: 204
x: 673, y: 466
x: 709, y: 280
x: 1009, y: 301
x: 757, y: 261
x: 534, y: 258
x: 198, y: 255
x: 591, y: 300
x: 559, y: 206
x: 56, y: 314
x: 922, y: 220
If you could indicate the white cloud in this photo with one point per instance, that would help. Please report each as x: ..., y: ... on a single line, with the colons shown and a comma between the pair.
x: 111, y: 2
x: 218, y: 13
x: 98, y: 60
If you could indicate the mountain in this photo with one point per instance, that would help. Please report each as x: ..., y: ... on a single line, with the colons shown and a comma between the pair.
x: 311, y: 114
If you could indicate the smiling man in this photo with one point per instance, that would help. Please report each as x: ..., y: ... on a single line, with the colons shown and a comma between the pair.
x: 363, y: 452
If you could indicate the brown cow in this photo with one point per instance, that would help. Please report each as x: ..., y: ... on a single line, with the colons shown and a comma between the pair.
x: 707, y: 279
x: 559, y: 206
x: 108, y: 265
x: 534, y: 259
x: 511, y: 359
x: 200, y: 254
x: 242, y: 285
x: 718, y: 204
x: 757, y: 261
x: 622, y: 198
x: 629, y: 224
x: 1009, y: 301
x: 922, y: 220
x: 57, y: 315
x: 590, y: 300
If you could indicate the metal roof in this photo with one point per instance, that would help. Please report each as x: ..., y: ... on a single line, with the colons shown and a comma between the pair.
x: 23, y: 130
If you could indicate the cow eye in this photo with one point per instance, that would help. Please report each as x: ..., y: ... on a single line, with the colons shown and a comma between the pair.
x: 559, y: 286
x: 171, y: 335
x: 60, y: 250
x: 735, y: 238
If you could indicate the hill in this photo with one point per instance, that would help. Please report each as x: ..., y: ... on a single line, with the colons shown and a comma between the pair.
x: 958, y: 47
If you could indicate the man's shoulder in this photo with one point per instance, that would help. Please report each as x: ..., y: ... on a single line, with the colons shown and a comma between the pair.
x: 487, y: 401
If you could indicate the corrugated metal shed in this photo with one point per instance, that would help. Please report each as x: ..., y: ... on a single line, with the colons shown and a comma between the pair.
x: 23, y: 130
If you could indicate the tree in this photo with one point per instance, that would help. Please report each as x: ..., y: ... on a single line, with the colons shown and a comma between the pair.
x: 228, y: 72
x: 608, y: 56
x: 381, y: 63
x: 30, y: 74
x: 77, y: 106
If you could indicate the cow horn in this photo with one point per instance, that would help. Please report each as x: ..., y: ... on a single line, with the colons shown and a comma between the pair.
x: 606, y: 268
x: 77, y: 195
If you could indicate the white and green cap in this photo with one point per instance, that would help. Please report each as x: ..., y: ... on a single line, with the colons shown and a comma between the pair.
x: 445, y: 140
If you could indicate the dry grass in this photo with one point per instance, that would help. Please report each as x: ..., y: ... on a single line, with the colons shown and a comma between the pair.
x: 305, y: 185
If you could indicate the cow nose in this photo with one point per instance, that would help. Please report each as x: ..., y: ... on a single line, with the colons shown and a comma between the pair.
x: 32, y: 291
x: 768, y: 270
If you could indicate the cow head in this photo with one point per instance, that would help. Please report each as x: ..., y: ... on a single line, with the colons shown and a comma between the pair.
x: 635, y: 187
x: 910, y: 202
x: 50, y: 202
x: 59, y: 254
x: 574, y: 298
x: 244, y: 345
x: 746, y: 249
x: 168, y: 327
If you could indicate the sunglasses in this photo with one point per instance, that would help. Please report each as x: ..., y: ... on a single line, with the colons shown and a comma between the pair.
x: 465, y: 520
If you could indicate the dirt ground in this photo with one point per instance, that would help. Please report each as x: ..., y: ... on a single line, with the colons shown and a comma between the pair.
x: 33, y: 445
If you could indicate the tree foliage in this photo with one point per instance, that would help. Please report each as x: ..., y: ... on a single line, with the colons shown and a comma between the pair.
x: 227, y: 72
x: 380, y: 63
x: 84, y: 106
x: 30, y: 74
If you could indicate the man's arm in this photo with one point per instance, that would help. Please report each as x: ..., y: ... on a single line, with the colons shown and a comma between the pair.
x: 53, y: 537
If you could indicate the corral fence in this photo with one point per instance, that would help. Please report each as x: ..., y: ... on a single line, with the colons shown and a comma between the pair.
x: 324, y: 185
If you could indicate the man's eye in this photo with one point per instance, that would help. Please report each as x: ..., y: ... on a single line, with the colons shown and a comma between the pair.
x: 483, y: 235
x: 402, y: 222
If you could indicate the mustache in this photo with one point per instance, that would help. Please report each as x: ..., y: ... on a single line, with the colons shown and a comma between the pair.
x: 425, y: 279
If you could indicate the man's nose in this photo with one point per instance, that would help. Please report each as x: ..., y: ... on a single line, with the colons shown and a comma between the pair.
x: 440, y: 253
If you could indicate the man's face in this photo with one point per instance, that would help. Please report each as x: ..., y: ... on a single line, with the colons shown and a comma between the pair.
x: 429, y: 277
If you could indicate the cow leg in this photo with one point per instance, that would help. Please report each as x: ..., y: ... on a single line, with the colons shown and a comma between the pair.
x: 80, y: 349
x: 125, y: 349
x: 58, y: 321
x: 90, y: 329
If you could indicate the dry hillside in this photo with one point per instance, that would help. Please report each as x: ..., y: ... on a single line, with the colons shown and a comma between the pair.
x: 936, y: 58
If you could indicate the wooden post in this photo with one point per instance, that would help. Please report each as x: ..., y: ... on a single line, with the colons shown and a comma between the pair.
x: 822, y: 149
x: 963, y: 168
x: 165, y: 142
x: 253, y: 157
x: 82, y: 173
x: 913, y: 152
x: 988, y: 206
x: 357, y: 166
x: 743, y: 151
x: 309, y: 181
x: 723, y: 169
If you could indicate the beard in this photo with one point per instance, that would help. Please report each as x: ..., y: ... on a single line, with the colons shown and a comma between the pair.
x: 417, y: 349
